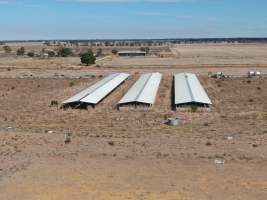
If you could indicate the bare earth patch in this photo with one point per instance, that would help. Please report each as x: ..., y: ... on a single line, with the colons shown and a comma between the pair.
x: 130, y: 154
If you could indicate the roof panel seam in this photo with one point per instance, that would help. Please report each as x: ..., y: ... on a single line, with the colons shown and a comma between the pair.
x: 145, y: 84
x: 99, y: 87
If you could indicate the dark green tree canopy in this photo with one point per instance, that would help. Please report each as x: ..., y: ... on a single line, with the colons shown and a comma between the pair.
x: 88, y: 58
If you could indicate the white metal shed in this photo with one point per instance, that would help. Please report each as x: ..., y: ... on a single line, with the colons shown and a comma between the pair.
x: 95, y: 93
x: 188, y: 90
x: 144, y: 91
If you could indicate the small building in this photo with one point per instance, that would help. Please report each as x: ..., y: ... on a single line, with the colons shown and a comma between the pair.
x: 131, y: 53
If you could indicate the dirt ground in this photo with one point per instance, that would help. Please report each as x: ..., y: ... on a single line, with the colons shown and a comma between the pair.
x: 130, y: 154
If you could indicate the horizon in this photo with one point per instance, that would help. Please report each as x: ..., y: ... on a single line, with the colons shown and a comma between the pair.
x: 133, y: 19
x: 139, y: 39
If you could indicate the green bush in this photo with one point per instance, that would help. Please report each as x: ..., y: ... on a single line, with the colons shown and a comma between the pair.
x: 64, y: 52
x: 88, y: 58
x: 51, y: 53
x: 30, y: 54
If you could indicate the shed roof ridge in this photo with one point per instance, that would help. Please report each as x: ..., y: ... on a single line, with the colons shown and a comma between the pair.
x: 141, y: 91
x: 117, y: 74
x: 189, y: 87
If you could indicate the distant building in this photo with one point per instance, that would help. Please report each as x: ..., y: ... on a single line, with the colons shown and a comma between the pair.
x: 131, y: 53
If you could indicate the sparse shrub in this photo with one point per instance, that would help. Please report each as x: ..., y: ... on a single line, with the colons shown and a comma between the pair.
x: 71, y: 84
x: 67, y: 139
x: 258, y: 88
x: 246, y: 158
x: 208, y: 143
x: 146, y: 49
x: 53, y: 103
x: 30, y: 54
x: 64, y: 52
x: 254, y: 145
x: 194, y: 108
x: 7, y: 49
x: 248, y: 81
x: 250, y: 100
x: 206, y: 124
x: 111, y: 143
x: 51, y: 53
x: 21, y: 51
x: 12, y: 88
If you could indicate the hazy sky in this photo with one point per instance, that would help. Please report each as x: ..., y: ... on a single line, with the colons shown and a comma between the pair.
x: 113, y: 19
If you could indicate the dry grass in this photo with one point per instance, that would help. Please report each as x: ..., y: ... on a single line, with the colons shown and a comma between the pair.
x: 129, y: 154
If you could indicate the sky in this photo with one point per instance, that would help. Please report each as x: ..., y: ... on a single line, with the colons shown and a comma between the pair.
x: 131, y: 19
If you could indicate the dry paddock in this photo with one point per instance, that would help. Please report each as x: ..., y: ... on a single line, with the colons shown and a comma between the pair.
x: 132, y: 154
x: 239, y: 109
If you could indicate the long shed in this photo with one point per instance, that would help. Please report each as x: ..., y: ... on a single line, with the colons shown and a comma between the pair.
x: 189, y: 91
x: 144, y: 91
x: 97, y: 92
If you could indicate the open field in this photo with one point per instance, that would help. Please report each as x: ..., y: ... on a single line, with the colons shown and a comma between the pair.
x: 132, y: 154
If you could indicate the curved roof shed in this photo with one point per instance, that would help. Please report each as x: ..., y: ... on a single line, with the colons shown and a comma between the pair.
x: 144, y: 91
x: 95, y: 93
x: 189, y: 90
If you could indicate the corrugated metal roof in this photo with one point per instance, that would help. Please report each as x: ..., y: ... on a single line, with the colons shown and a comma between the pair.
x: 99, y: 90
x: 189, y: 90
x: 134, y: 52
x: 144, y: 90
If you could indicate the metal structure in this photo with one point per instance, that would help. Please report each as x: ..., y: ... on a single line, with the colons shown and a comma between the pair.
x: 189, y: 91
x: 97, y: 92
x: 131, y: 53
x: 144, y: 91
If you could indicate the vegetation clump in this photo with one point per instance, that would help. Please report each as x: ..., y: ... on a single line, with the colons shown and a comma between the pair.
x: 7, y: 49
x: 21, y: 51
x: 88, y: 58
x: 30, y: 54
x: 64, y: 52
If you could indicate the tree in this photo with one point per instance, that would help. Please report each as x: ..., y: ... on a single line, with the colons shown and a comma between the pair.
x: 146, y: 49
x: 88, y: 58
x: 51, y: 53
x: 7, y: 49
x: 21, y: 51
x: 30, y: 54
x: 114, y: 51
x: 64, y: 52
